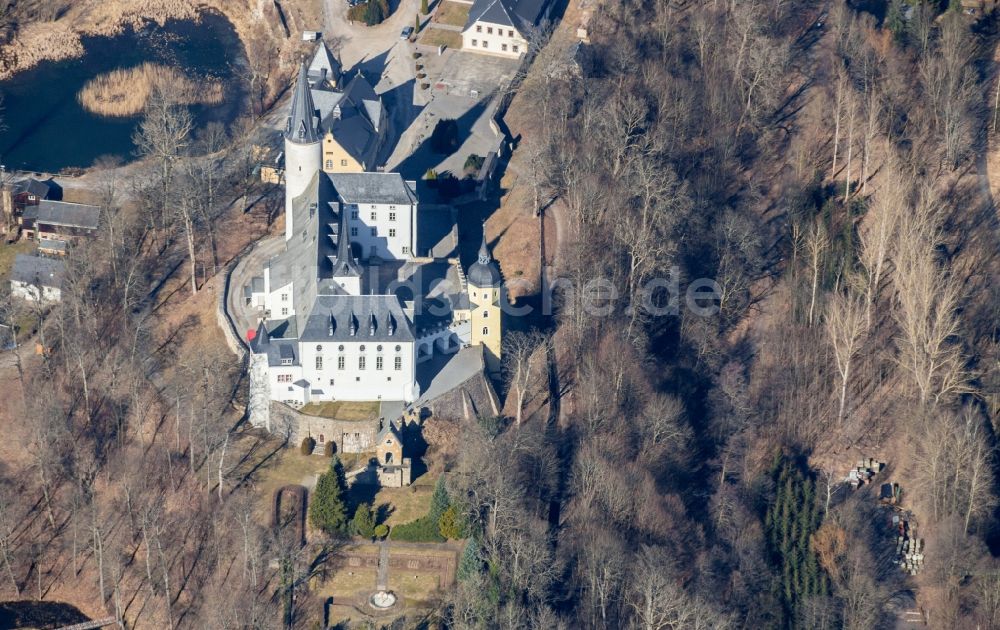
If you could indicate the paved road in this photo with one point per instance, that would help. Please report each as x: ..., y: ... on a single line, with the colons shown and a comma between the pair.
x: 358, y: 42
x: 249, y: 266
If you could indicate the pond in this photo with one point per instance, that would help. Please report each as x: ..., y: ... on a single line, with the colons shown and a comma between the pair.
x: 48, y: 130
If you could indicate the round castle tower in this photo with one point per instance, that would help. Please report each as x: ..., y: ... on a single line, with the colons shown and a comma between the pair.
x: 484, y: 296
x: 303, y: 151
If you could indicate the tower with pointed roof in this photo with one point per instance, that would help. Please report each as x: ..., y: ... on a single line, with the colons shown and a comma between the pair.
x: 485, y: 282
x: 345, y: 269
x: 303, y: 151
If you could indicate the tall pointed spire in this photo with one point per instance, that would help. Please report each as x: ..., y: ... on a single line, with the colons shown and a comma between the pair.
x: 301, y: 127
x: 484, y: 251
x: 344, y: 265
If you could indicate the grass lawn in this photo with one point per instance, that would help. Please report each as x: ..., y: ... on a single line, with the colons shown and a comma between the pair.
x: 440, y: 37
x: 349, y: 581
x: 408, y: 503
x: 289, y: 467
x: 7, y: 254
x: 412, y: 585
x: 452, y: 14
x: 343, y: 410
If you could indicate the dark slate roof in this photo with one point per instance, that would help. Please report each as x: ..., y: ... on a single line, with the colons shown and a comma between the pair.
x: 65, y: 214
x: 32, y: 186
x: 388, y: 428
x: 301, y: 126
x: 52, y: 245
x: 484, y: 272
x: 39, y: 271
x: 374, y: 318
x: 381, y: 188
x: 517, y: 13
x: 324, y: 66
x: 344, y: 265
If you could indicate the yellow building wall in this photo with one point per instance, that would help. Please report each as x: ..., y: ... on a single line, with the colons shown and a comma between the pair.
x: 337, y: 160
x: 486, y: 315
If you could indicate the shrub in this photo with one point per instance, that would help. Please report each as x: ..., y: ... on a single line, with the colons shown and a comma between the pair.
x: 451, y: 524
x: 371, y: 13
x: 440, y: 501
x: 424, y: 529
x: 417, y: 55
x: 328, y: 449
x: 430, y: 175
x: 423, y: 7
x: 420, y: 67
x: 381, y: 531
x: 307, y: 446
x: 424, y: 86
x: 421, y: 75
x: 473, y: 163
x: 364, y: 521
x: 444, y: 138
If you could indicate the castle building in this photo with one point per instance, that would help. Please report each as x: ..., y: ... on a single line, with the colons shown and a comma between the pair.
x: 334, y: 326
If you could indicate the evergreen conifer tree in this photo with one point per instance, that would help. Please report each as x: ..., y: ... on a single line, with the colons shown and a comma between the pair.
x: 327, y: 510
x: 440, y: 501
x: 469, y: 564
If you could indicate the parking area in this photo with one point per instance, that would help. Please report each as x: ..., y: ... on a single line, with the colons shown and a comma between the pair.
x: 461, y: 73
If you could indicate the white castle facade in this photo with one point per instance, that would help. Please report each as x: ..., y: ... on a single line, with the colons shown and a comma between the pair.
x: 333, y: 326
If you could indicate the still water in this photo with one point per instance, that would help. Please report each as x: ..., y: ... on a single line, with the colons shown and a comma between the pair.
x: 47, y: 129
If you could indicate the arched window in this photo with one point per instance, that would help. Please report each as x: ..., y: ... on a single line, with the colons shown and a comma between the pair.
x: 398, y: 348
x: 486, y: 330
x: 341, y: 348
x: 379, y: 348
x: 388, y: 458
x: 319, y: 348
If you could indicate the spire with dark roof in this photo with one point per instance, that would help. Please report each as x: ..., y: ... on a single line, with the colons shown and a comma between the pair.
x: 301, y: 127
x: 344, y: 265
x: 484, y: 272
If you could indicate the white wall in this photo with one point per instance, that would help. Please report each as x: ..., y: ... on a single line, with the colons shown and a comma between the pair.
x: 397, y: 246
x: 302, y: 162
x: 353, y: 383
x: 472, y: 39
x: 275, y: 304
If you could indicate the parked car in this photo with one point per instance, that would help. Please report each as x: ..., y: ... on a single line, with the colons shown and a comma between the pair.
x: 406, y: 33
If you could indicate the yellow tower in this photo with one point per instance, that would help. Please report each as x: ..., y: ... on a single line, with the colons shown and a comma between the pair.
x: 484, y: 298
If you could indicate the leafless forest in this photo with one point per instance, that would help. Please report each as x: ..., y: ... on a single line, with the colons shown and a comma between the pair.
x: 833, y: 173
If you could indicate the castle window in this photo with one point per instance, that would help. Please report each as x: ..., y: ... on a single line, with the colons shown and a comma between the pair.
x: 489, y: 30
x: 284, y: 311
x: 475, y: 42
x: 340, y: 347
x: 340, y: 364
x: 398, y: 348
x: 284, y: 297
x: 331, y: 382
x: 479, y: 28
x: 374, y: 216
x: 398, y: 364
x: 319, y: 348
x: 374, y: 232
x: 515, y: 47
x: 392, y: 232
x: 343, y: 162
x: 361, y: 348
x: 329, y: 163
x: 406, y: 250
x: 354, y: 231
x: 510, y: 33
x: 486, y: 313
x: 485, y: 44
x: 361, y: 363
x: 354, y: 214
x: 392, y: 216
x: 284, y: 378
x: 378, y: 348
x: 319, y: 363
x: 486, y: 330
x: 503, y: 47
x: 378, y: 363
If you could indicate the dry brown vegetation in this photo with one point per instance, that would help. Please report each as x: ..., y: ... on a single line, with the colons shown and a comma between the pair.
x: 56, y: 35
x: 126, y: 92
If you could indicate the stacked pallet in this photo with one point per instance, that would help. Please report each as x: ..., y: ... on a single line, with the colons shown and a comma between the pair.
x: 863, y: 472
